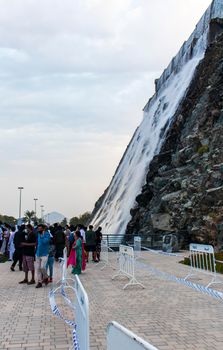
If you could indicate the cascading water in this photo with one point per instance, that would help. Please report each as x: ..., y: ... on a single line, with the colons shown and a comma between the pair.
x: 114, y: 212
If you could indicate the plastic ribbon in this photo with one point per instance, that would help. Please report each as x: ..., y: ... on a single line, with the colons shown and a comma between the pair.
x: 205, y: 290
x: 58, y: 314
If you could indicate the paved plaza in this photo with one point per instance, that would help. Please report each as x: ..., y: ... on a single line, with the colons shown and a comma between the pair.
x: 167, y: 314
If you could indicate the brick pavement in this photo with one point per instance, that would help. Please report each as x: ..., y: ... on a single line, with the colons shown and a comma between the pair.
x: 166, y: 314
x: 26, y: 320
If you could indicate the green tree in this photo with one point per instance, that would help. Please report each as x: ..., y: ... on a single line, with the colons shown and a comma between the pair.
x: 64, y: 222
x: 29, y: 216
x: 74, y: 221
x: 82, y: 219
x: 10, y: 220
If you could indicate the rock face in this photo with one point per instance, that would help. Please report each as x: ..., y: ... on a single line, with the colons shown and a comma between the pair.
x: 184, y: 186
x: 171, y: 171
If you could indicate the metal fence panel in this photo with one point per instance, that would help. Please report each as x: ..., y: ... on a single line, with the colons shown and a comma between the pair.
x: 202, y: 259
x: 82, y: 315
x: 120, y: 338
x: 127, y: 265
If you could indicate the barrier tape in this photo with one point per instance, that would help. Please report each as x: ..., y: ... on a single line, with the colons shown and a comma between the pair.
x: 160, y: 252
x: 203, y: 289
x: 58, y: 314
x: 64, y: 295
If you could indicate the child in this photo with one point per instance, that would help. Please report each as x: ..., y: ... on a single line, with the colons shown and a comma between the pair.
x: 50, y: 260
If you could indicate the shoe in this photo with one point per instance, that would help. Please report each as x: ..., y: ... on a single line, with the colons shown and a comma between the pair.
x: 20, y: 269
x: 46, y: 281
x: 31, y: 282
x: 39, y: 285
x: 50, y: 280
x: 12, y: 268
x: 24, y: 281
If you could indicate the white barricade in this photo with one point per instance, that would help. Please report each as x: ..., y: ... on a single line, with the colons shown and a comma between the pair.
x: 120, y: 338
x: 137, y: 246
x: 63, y: 267
x: 202, y: 259
x: 127, y: 265
x: 80, y: 324
x: 104, y: 258
x: 82, y: 315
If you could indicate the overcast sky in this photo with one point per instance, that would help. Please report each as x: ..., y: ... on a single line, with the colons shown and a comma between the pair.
x: 74, y: 77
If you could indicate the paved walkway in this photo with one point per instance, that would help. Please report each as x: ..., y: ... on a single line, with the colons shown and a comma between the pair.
x: 166, y: 314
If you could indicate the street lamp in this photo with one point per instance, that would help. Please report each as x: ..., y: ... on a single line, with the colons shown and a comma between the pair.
x: 35, y: 199
x: 42, y: 211
x: 20, y: 188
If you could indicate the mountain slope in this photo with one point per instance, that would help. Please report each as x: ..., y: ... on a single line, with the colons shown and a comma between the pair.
x: 112, y: 211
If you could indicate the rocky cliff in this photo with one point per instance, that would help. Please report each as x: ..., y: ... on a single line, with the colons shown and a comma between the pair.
x: 169, y: 142
x: 184, y: 186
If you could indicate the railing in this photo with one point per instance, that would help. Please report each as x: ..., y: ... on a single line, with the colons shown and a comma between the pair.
x: 153, y: 241
x: 137, y: 246
x: 127, y: 266
x: 120, y: 338
x: 80, y: 307
x: 202, y: 259
x: 63, y: 266
x: 82, y: 315
x: 104, y: 257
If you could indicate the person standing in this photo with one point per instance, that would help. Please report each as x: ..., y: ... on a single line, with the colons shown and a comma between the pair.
x: 1, y: 235
x: 71, y: 238
x: 4, y: 242
x: 77, y: 246
x: 59, y: 239
x: 81, y: 229
x: 11, y: 246
x: 42, y: 255
x: 90, y: 245
x: 98, y: 234
x: 50, y: 260
x: 67, y: 235
x: 29, y: 246
x: 18, y: 239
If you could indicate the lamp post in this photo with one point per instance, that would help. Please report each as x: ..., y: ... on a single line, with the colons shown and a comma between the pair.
x: 35, y: 199
x: 20, y: 188
x: 42, y: 211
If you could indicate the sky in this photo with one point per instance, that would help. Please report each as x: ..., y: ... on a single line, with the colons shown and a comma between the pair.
x: 74, y: 77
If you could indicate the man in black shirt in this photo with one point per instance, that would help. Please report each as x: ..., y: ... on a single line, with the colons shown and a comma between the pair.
x: 18, y: 239
x: 98, y: 235
x: 28, y: 246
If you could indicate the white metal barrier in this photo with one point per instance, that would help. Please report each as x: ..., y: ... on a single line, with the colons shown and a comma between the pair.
x: 120, y: 338
x: 104, y: 258
x: 202, y: 259
x: 127, y: 265
x: 137, y: 246
x: 63, y: 267
x: 82, y: 315
x: 80, y: 307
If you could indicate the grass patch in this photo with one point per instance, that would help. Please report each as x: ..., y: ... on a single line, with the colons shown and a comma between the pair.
x: 3, y: 258
x: 218, y: 256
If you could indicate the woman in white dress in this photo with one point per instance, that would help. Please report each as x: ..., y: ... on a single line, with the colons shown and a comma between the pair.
x: 11, y: 247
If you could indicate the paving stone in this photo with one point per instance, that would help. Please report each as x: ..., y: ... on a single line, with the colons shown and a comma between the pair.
x: 167, y: 314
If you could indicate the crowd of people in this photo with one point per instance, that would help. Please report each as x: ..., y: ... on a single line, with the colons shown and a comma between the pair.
x: 36, y: 247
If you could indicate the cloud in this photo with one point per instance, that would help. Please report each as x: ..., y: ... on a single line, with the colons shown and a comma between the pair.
x: 74, y: 77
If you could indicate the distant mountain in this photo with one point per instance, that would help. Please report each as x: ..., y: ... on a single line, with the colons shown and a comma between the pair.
x: 54, y: 217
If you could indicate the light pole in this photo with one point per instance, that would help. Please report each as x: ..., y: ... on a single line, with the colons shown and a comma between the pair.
x: 35, y: 199
x: 20, y: 188
x: 42, y: 211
